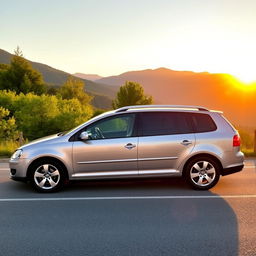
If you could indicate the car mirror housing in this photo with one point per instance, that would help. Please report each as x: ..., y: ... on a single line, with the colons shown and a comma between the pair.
x: 84, y: 135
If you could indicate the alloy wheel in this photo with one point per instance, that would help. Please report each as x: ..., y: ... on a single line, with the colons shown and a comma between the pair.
x: 202, y: 173
x: 46, y: 176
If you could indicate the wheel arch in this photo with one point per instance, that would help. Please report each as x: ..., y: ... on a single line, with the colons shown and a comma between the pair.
x: 202, y: 155
x: 29, y: 169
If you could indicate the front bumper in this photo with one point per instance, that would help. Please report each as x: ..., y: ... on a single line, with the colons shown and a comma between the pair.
x: 23, y: 179
x: 230, y: 170
x: 18, y: 169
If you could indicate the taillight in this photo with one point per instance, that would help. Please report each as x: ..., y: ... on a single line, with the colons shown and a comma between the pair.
x: 236, y: 141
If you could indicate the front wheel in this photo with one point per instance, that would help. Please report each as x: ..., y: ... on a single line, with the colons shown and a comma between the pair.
x: 202, y: 173
x: 47, y: 176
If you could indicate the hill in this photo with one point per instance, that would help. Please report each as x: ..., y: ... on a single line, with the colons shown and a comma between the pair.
x: 57, y: 77
x: 91, y: 77
x: 215, y: 91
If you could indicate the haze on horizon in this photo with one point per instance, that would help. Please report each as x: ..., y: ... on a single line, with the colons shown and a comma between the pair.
x: 111, y: 37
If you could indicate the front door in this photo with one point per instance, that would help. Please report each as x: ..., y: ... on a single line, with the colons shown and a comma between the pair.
x: 110, y: 151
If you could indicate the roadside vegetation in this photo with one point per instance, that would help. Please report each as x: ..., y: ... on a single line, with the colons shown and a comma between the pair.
x: 7, y: 147
x: 30, y: 108
x: 247, y: 141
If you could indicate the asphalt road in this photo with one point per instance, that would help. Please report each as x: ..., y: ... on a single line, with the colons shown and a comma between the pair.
x: 149, y: 217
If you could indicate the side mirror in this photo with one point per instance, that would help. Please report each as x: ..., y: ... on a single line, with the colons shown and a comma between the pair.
x: 84, y: 136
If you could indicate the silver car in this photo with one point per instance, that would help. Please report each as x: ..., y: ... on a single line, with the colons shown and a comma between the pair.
x: 133, y: 142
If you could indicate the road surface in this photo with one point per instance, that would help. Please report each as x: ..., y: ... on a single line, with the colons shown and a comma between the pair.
x: 135, y: 217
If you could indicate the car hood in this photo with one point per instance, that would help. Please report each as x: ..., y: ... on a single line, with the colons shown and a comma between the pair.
x: 41, y: 140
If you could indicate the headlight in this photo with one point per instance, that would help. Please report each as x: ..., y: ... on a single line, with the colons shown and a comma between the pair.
x: 17, y: 154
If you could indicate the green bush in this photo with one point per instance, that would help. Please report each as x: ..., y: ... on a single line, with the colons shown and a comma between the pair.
x: 8, y: 147
x: 37, y: 116
x: 247, y: 141
x: 249, y: 153
x: 7, y: 125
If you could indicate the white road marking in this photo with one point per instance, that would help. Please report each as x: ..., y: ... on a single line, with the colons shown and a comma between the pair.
x: 123, y: 198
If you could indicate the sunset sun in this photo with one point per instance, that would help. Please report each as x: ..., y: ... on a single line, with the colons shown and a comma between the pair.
x: 246, y: 81
x: 248, y: 78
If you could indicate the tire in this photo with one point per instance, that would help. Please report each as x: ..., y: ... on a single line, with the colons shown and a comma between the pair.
x: 202, y: 173
x: 47, y: 176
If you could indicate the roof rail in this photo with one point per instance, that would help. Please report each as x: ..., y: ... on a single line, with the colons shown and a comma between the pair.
x: 162, y: 106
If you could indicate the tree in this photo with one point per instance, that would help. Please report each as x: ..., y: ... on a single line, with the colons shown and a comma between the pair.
x: 73, y: 88
x: 131, y: 93
x: 18, y: 52
x: 19, y: 76
x: 52, y: 90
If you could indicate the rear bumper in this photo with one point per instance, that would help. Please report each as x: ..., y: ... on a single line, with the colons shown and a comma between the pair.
x: 230, y: 170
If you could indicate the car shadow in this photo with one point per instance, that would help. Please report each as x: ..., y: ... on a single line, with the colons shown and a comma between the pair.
x: 196, y: 225
x: 152, y: 184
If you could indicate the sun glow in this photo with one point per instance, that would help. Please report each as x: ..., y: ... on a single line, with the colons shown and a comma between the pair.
x: 244, y: 83
x: 247, y: 78
x: 248, y: 86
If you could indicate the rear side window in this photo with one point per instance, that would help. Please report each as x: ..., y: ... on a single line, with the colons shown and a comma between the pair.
x: 203, y: 123
x: 163, y: 123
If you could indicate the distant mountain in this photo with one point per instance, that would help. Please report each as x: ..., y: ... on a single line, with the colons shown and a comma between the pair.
x: 91, y: 77
x: 5, y: 57
x: 215, y: 91
x: 57, y: 77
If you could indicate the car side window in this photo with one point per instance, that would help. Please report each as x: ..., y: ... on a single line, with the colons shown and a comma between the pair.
x: 163, y: 123
x: 203, y: 122
x: 120, y: 126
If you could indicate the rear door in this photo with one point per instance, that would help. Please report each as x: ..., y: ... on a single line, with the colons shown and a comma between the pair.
x: 164, y: 139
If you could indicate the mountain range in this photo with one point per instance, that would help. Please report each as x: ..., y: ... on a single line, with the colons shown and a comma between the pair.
x: 214, y: 91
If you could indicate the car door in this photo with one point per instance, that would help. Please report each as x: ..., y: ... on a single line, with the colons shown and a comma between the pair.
x: 164, y: 139
x: 111, y: 149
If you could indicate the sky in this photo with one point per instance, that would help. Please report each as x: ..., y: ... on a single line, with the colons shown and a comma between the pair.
x: 109, y: 37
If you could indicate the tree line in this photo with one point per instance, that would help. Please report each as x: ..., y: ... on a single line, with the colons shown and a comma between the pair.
x: 30, y: 106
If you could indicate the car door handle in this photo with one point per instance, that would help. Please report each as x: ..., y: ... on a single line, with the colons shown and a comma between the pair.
x: 130, y: 146
x: 186, y: 142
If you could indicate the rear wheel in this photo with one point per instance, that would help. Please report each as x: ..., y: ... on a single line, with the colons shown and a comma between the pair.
x: 47, y: 176
x: 202, y: 173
